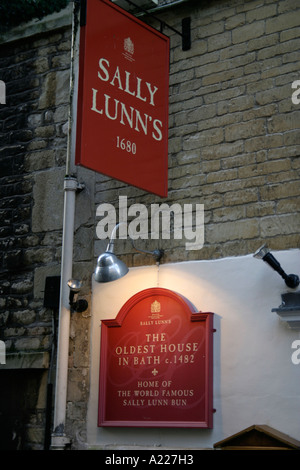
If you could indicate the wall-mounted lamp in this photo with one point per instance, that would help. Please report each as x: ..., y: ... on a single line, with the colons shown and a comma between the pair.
x: 291, y: 280
x: 77, y: 305
x: 110, y: 268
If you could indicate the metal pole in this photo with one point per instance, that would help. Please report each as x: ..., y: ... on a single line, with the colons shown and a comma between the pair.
x: 59, y: 438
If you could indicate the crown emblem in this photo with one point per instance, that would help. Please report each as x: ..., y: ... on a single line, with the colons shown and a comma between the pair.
x: 155, y: 307
x: 128, y: 49
x: 128, y: 46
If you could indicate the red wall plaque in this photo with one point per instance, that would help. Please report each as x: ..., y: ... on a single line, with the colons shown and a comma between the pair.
x: 156, y: 364
x: 122, y: 123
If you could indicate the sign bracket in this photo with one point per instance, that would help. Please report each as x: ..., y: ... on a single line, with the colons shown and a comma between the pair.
x: 185, y: 26
x: 185, y: 23
x: 82, y: 12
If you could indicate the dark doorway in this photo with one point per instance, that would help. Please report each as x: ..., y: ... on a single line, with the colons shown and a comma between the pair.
x: 19, y: 392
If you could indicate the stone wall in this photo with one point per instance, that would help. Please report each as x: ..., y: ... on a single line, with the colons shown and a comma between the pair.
x: 234, y: 131
x: 36, y: 71
x: 35, y: 66
x: 233, y: 146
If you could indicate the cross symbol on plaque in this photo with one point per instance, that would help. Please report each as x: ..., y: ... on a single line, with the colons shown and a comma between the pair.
x: 154, y: 372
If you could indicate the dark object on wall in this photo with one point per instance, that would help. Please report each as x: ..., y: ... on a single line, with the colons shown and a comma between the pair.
x: 289, y: 310
x: 291, y: 280
x: 51, y: 293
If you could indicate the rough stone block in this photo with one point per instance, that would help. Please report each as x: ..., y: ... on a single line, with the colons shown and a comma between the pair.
x: 48, y: 200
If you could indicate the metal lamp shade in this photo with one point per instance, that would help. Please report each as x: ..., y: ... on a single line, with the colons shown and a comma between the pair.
x: 109, y: 268
x: 261, y: 252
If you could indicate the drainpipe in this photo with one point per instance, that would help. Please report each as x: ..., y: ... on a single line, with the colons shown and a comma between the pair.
x: 59, y: 439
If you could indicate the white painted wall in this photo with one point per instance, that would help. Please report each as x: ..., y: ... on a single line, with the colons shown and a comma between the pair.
x: 255, y: 380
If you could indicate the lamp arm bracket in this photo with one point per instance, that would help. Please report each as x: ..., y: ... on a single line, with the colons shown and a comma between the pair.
x: 157, y: 254
x: 291, y: 280
x: 111, y: 243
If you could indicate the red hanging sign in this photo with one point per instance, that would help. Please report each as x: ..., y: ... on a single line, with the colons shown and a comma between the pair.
x: 122, y: 123
x: 156, y: 364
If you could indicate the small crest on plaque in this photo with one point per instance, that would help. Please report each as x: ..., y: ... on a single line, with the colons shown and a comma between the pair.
x: 155, y: 307
x: 128, y: 46
x: 128, y: 49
